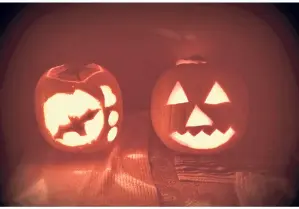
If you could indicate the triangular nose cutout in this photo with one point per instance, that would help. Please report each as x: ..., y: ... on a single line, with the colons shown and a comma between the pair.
x: 198, y: 118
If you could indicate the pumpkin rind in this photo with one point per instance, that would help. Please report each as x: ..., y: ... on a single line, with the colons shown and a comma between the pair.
x: 92, y: 80
x: 197, y: 82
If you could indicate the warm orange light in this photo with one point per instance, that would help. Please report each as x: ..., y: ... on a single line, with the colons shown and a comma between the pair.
x: 82, y: 172
x: 53, y: 72
x: 112, y: 134
x: 203, y: 140
x: 198, y: 118
x: 186, y: 61
x: 135, y: 156
x: 128, y: 182
x: 59, y: 108
x: 37, y: 193
x: 217, y: 95
x: 177, y: 96
x: 110, y: 98
x: 113, y: 118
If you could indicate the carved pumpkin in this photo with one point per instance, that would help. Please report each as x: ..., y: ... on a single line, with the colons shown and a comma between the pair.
x: 197, y: 108
x: 78, y: 108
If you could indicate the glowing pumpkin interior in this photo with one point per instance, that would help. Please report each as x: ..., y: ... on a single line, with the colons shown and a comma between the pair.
x: 198, y: 118
x: 78, y: 119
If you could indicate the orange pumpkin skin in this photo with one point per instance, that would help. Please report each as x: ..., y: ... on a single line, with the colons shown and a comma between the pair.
x: 197, y: 109
x: 71, y: 91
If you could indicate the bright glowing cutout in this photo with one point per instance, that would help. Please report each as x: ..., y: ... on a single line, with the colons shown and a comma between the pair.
x: 203, y: 140
x: 58, y: 109
x: 217, y: 95
x: 198, y: 118
x: 112, y: 134
x: 110, y: 98
x: 177, y: 96
x: 113, y: 118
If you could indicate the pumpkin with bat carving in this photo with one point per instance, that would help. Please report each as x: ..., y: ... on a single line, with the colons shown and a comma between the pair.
x: 78, y: 108
x: 197, y: 108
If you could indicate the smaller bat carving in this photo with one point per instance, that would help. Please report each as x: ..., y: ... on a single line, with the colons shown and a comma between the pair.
x: 76, y: 124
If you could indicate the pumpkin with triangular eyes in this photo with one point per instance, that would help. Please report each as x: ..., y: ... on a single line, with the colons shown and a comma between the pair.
x: 196, y: 108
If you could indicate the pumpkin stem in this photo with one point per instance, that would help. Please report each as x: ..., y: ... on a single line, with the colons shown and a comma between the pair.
x: 195, y: 59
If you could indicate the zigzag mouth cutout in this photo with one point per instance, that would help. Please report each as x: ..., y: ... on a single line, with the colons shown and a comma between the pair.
x: 203, y: 140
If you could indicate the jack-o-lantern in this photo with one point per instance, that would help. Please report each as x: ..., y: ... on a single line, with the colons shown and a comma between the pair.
x: 78, y: 108
x: 197, y: 108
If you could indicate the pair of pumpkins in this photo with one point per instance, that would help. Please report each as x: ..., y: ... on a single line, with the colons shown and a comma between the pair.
x: 194, y: 108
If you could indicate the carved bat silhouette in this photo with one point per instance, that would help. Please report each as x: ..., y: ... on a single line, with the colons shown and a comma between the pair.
x: 76, y: 124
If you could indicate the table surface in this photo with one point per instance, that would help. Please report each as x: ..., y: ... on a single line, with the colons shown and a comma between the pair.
x: 139, y: 170
x: 214, y: 184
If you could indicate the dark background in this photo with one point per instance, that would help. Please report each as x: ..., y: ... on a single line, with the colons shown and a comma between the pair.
x: 8, y: 11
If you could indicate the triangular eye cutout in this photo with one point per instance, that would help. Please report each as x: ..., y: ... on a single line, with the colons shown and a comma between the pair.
x: 217, y: 95
x: 177, y: 95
